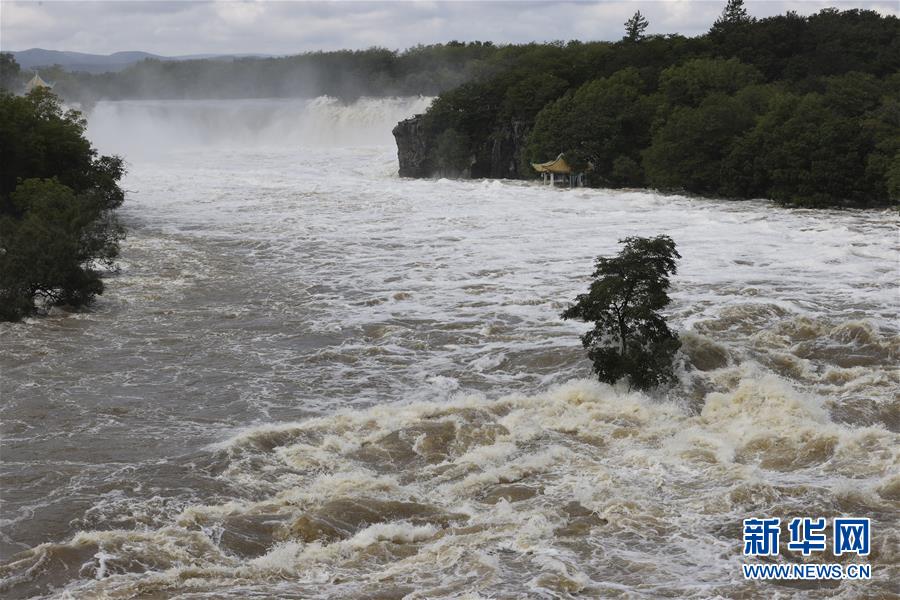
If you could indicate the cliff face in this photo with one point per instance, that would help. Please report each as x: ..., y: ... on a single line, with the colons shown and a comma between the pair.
x: 412, y: 148
x: 508, y: 143
x: 499, y: 156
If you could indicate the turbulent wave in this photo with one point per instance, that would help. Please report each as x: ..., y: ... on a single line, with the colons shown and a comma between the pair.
x: 585, y: 489
x: 313, y: 379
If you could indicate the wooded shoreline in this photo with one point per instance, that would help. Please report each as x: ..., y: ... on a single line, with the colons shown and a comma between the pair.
x: 801, y: 110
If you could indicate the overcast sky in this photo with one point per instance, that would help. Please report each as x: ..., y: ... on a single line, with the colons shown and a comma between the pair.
x: 278, y: 27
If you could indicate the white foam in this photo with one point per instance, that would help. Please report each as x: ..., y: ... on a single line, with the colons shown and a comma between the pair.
x: 418, y: 322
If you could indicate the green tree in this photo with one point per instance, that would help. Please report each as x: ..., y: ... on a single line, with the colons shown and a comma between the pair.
x: 892, y: 177
x: 635, y: 27
x: 39, y: 140
x: 9, y: 73
x: 882, y: 127
x: 688, y: 84
x: 688, y: 150
x: 605, y: 122
x: 57, y: 198
x: 471, y: 110
x: 734, y: 13
x: 630, y: 338
x: 523, y: 100
x: 804, y: 152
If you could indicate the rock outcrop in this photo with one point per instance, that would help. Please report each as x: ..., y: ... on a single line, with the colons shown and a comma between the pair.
x: 497, y: 156
x: 506, y: 150
x: 412, y: 147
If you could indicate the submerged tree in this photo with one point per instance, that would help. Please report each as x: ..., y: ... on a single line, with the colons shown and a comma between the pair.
x: 630, y: 338
x: 635, y: 27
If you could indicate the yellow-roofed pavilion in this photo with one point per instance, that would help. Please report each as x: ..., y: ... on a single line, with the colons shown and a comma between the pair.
x: 36, y: 82
x: 558, y: 171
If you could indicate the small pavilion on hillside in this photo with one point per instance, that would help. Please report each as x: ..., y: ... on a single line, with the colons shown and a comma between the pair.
x: 36, y: 82
x: 558, y: 171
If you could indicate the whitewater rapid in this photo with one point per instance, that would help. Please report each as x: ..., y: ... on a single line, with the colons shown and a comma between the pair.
x: 312, y: 379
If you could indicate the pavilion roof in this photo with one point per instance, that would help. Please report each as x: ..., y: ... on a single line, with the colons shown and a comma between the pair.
x: 558, y: 165
x: 36, y: 82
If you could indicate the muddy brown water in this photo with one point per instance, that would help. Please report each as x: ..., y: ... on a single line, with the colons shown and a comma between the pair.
x: 312, y: 379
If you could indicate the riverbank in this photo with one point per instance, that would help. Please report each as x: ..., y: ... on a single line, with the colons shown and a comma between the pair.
x: 725, y: 114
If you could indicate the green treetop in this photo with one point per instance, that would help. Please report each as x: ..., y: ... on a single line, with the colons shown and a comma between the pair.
x: 630, y: 339
x: 733, y: 14
x: 635, y: 27
x: 57, y: 197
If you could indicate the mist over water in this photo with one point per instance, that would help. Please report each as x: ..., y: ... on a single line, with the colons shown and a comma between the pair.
x: 312, y: 379
x: 139, y: 128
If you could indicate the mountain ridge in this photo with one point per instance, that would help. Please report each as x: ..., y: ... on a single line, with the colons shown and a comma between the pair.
x: 35, y: 58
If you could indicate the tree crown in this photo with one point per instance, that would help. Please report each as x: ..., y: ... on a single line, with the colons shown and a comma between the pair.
x: 56, y: 201
x: 630, y: 339
x: 734, y: 12
x: 635, y: 27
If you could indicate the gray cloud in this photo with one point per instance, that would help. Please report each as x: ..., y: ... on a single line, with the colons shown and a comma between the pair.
x: 277, y: 27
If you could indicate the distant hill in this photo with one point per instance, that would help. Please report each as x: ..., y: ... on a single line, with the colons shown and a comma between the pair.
x: 345, y: 74
x: 99, y: 63
x: 79, y: 61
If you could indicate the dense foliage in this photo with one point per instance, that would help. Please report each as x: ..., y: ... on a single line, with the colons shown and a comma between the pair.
x: 57, y: 197
x: 10, y: 73
x: 630, y: 339
x: 803, y: 110
x: 800, y: 109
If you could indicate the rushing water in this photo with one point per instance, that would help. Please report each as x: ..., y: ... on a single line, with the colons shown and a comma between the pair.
x: 312, y: 379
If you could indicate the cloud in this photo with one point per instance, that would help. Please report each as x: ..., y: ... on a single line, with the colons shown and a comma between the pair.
x: 182, y: 27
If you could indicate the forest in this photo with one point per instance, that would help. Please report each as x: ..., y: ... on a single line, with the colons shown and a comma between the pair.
x: 804, y: 110
x: 801, y: 110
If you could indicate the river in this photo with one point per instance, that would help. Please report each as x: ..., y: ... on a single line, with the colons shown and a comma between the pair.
x: 309, y: 378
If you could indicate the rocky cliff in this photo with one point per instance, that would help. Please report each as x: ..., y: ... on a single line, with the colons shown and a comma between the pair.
x: 507, y: 145
x: 412, y: 147
x: 498, y: 155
